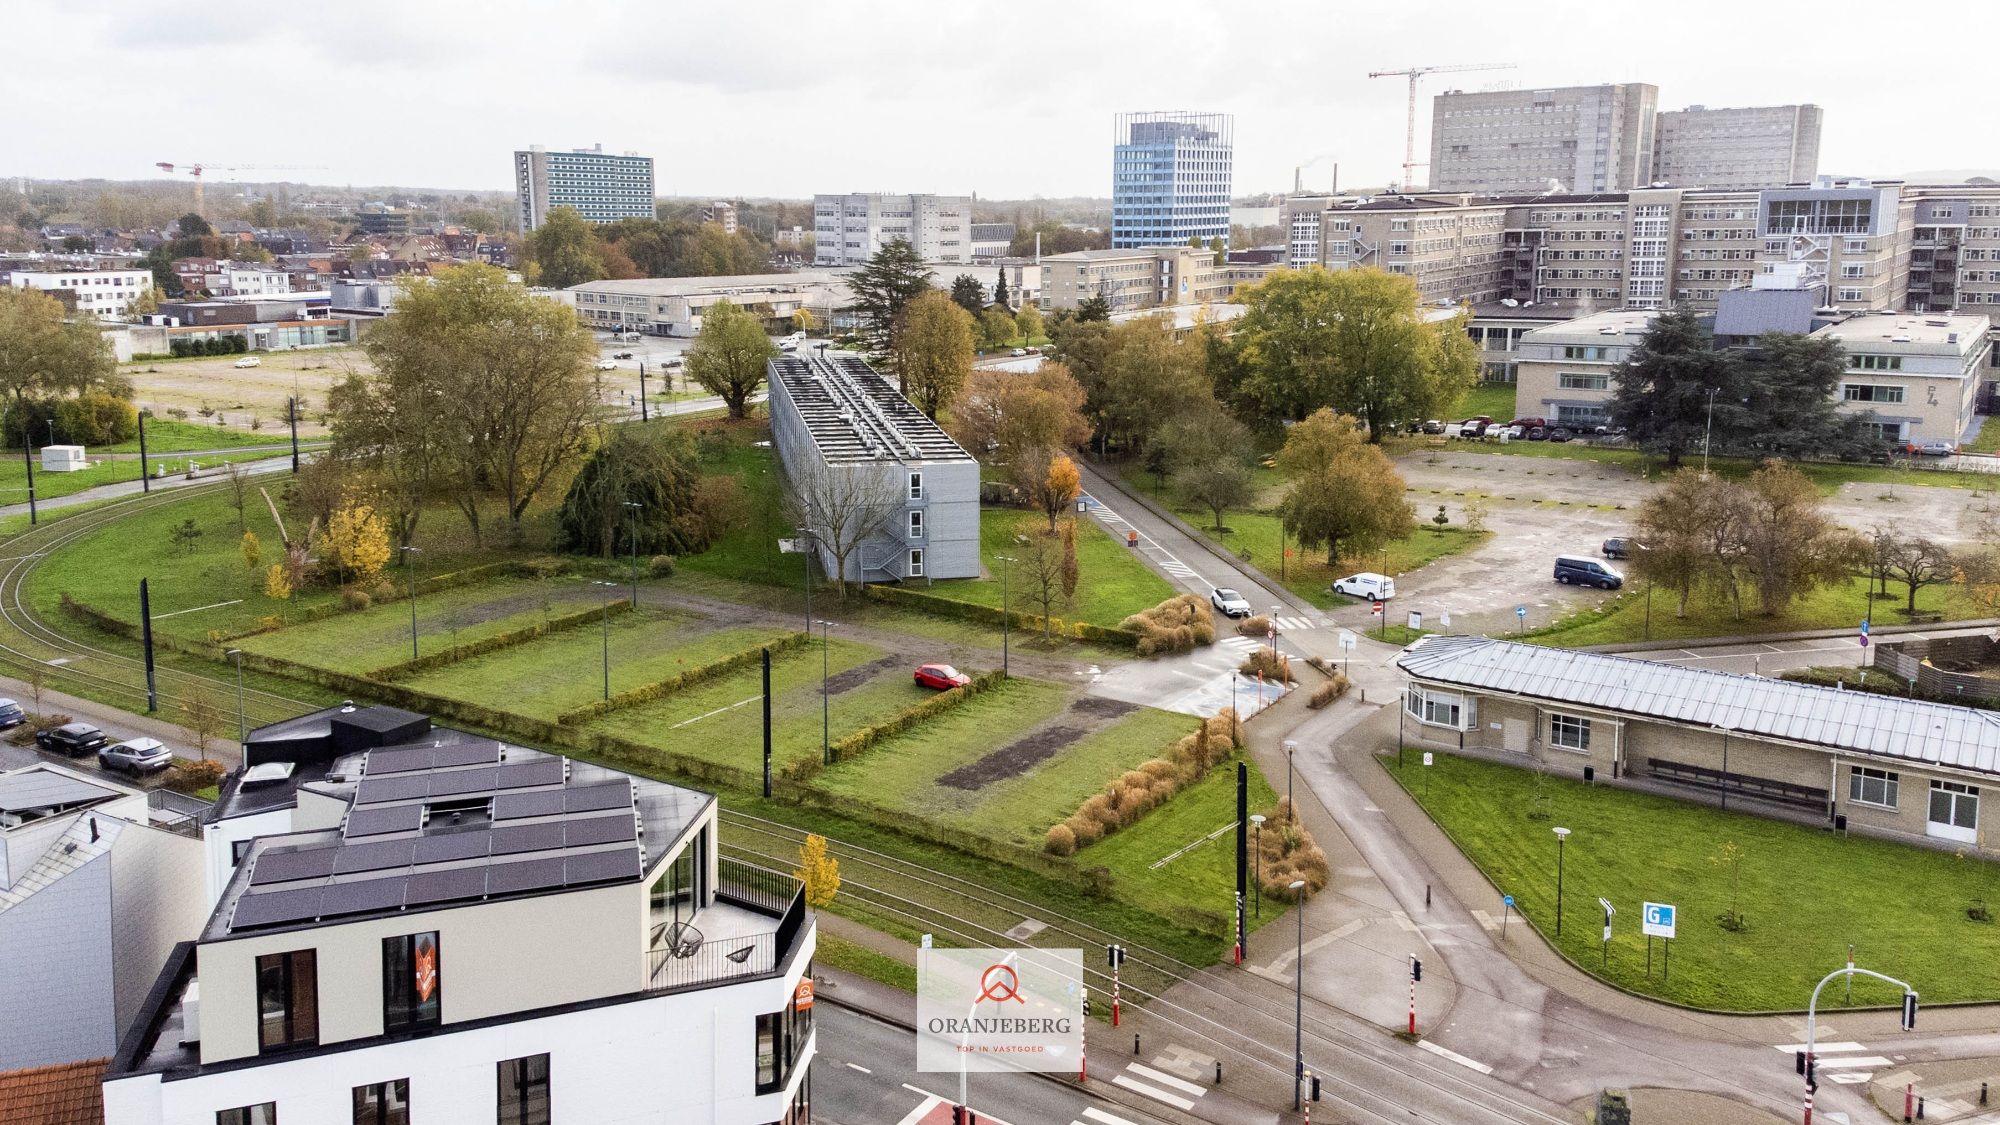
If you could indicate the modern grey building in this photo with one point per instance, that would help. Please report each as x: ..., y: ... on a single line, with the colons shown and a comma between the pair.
x: 1579, y: 138
x: 883, y: 485
x: 1170, y: 177
x: 1748, y: 147
x: 848, y: 229
x: 604, y: 187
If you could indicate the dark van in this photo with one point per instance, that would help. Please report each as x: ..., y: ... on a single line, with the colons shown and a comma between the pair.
x: 1578, y: 570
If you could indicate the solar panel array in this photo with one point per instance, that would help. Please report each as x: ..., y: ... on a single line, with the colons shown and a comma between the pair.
x: 453, y: 822
x: 854, y: 415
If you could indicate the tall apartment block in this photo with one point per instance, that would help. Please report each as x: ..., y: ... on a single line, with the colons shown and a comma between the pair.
x: 1170, y: 175
x: 848, y: 229
x: 1579, y: 138
x: 1750, y: 147
x: 605, y: 187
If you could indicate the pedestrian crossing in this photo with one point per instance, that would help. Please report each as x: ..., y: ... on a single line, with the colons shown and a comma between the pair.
x: 1176, y: 567
x: 1239, y: 644
x: 1158, y: 1085
x: 1292, y: 624
x: 1843, y: 1063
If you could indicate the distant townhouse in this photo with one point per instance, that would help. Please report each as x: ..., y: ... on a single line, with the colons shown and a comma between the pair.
x: 103, y: 293
x: 849, y: 229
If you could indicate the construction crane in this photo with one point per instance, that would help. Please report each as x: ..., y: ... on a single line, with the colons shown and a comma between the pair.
x: 1410, y: 162
x: 197, y: 169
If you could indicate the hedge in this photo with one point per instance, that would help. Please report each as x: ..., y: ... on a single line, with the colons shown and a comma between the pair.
x: 513, y: 568
x: 647, y: 693
x: 852, y: 745
x: 498, y: 641
x: 991, y: 615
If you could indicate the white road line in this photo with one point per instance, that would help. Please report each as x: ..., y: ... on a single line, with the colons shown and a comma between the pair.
x: 1870, y: 1061
x: 1174, y: 1100
x: 1165, y: 1079
x: 923, y: 1109
x: 1284, y: 960
x: 1820, y: 1048
x: 1096, y: 1114
x: 1454, y: 1056
x: 859, y: 1067
x: 197, y: 609
x: 714, y: 713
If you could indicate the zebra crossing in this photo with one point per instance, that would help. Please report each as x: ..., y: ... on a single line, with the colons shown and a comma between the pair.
x: 1842, y: 1063
x: 1176, y: 567
x: 1292, y: 624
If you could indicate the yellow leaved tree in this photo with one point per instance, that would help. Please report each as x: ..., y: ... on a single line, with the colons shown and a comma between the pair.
x: 819, y: 871
x: 357, y: 542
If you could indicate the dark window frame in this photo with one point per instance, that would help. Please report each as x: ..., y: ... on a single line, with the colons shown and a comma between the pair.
x: 263, y: 1113
x: 521, y: 1087
x: 416, y: 1018
x: 383, y: 1113
x: 298, y: 1028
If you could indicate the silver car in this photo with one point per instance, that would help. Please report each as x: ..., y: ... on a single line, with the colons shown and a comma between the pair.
x: 1229, y: 603
x: 136, y: 756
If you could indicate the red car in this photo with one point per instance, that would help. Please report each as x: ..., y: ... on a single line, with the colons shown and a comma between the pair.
x: 943, y: 677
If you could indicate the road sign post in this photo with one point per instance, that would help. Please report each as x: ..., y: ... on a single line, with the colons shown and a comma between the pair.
x: 1658, y: 919
x: 1609, y: 910
x: 1521, y: 618
x: 1116, y: 955
x: 1506, y: 911
x: 1864, y: 645
x: 1346, y: 649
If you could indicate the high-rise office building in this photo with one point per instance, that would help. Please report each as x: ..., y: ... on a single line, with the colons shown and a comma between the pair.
x: 848, y: 229
x: 1749, y: 147
x: 1577, y: 138
x: 604, y: 187
x: 1170, y: 178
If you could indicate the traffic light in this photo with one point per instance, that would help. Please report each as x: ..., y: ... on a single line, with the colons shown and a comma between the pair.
x: 958, y: 1115
x: 1416, y: 969
x: 1909, y: 1011
x: 1315, y: 1087
x: 1799, y: 1063
x: 1812, y: 1070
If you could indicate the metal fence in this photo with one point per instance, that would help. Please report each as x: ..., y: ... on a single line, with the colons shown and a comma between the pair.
x: 176, y: 812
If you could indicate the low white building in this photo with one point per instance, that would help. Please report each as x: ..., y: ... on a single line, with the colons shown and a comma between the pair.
x: 673, y: 306
x: 105, y: 293
x: 1918, y: 372
x: 439, y: 927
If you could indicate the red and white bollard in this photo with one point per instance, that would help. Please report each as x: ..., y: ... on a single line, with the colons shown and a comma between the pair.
x: 1413, y: 1005
x: 1909, y: 1100
x: 1114, y: 995
x: 1808, y: 1106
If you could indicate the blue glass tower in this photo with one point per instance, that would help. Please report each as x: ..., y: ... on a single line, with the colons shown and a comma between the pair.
x: 1170, y: 178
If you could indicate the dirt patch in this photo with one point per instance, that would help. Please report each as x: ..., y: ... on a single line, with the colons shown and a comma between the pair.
x: 1012, y: 760
x: 855, y: 677
x: 1096, y: 708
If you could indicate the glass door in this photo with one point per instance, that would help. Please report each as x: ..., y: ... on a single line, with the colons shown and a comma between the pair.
x: 1954, y: 812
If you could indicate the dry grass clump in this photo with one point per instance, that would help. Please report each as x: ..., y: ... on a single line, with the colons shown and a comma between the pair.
x: 1138, y: 791
x: 1335, y: 687
x: 1175, y: 625
x: 1287, y: 854
x: 1258, y: 625
x: 1272, y: 666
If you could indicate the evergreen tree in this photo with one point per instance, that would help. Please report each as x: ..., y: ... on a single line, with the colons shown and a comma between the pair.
x: 970, y: 295
x: 1000, y: 288
x: 893, y: 278
x: 1793, y: 399
x: 1093, y: 308
x: 1663, y: 392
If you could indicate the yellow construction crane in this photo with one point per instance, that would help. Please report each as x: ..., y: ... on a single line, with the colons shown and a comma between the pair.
x: 196, y: 170
x: 1410, y: 162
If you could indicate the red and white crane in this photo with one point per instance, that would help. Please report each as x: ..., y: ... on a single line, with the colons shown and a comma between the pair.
x: 1410, y: 161
x: 198, y: 168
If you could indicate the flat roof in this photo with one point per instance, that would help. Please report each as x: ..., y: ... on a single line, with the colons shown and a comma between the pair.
x: 1943, y: 333
x: 686, y: 286
x: 854, y: 416
x: 1593, y: 326
x: 38, y: 788
x: 1887, y: 726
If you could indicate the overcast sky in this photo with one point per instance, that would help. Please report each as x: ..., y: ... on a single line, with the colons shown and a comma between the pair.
x: 1007, y: 100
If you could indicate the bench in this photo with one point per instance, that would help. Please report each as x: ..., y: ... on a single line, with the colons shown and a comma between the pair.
x: 1924, y: 617
x: 1763, y: 788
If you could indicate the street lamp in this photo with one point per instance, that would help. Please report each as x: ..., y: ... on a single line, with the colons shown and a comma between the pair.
x: 1561, y: 835
x: 1275, y: 610
x: 240, y: 731
x: 806, y: 570
x: 1290, y: 748
x: 410, y: 574
x: 1708, y: 431
x: 604, y: 604
x: 1257, y: 825
x: 1006, y: 612
x: 632, y: 530
x: 825, y: 701
x: 1298, y: 888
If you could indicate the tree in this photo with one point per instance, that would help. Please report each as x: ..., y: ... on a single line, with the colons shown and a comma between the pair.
x: 1220, y: 249
x: 1072, y: 573
x: 277, y: 583
x: 655, y: 467
x: 968, y: 294
x: 1094, y: 307
x: 185, y: 535
x: 1057, y: 485
x: 933, y: 351
x: 1917, y: 562
x: 205, y: 721
x: 1662, y: 392
x: 194, y: 226
x: 1354, y: 340
x: 996, y: 327
x: 356, y: 541
x: 1792, y: 408
x: 1730, y: 859
x: 1790, y: 546
x: 819, y: 871
x: 729, y: 355
x: 564, y: 250
x: 1000, y: 289
x: 1208, y: 460
x: 1005, y: 414
x: 1218, y: 485
x: 1672, y: 525
x: 843, y: 506
x: 41, y: 352
x: 891, y: 279
x: 1042, y: 559
x: 803, y: 320
x: 1343, y: 499
x: 1028, y: 321
x: 252, y: 551
x: 1147, y: 376
x: 239, y: 492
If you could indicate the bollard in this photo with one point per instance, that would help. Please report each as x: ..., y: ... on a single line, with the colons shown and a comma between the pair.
x: 1920, y: 1107
x: 1909, y: 1100
x: 1135, y: 1042
x: 1427, y: 896
x: 1982, y: 1093
x: 1218, y: 1072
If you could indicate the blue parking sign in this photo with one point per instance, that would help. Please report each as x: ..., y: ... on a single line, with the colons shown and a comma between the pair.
x: 1657, y: 919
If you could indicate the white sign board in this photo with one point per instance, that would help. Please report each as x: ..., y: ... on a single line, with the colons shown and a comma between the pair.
x: 1609, y: 910
x: 1000, y: 1009
x: 1444, y: 619
x: 1346, y: 641
x: 791, y: 546
x: 1427, y: 757
x: 1416, y: 620
x: 1657, y: 919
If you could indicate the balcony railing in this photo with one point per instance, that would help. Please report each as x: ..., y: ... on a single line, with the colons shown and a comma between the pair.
x: 750, y: 931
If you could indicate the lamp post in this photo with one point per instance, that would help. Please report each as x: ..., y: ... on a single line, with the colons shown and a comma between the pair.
x: 825, y: 701
x: 240, y: 730
x: 1006, y: 612
x: 1290, y: 748
x: 1275, y: 610
x: 1708, y: 431
x: 1257, y: 824
x: 806, y: 570
x: 1561, y: 835
x: 632, y: 532
x: 604, y: 603
x: 410, y: 575
x: 1806, y: 1063
x: 1298, y: 887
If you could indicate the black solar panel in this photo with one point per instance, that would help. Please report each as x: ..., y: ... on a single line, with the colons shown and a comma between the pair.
x: 527, y: 838
x: 599, y: 830
x: 517, y: 775
x: 386, y: 818
x: 481, y: 752
x: 596, y: 798
x: 384, y: 762
x: 362, y: 897
x: 378, y: 789
x: 452, y: 885
x: 464, y: 781
x: 274, y: 907
x: 601, y: 867
x: 452, y: 846
x: 375, y: 855
x: 539, y: 802
x: 299, y: 863
x: 525, y: 875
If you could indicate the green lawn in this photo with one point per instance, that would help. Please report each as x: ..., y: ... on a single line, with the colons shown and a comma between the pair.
x: 901, y: 773
x: 1021, y: 808
x: 749, y: 550
x: 165, y: 435
x: 1806, y: 893
x: 1827, y: 475
x: 1495, y: 400
x: 1112, y: 585
x: 1205, y: 877
x: 48, y: 486
x: 1988, y: 440
x: 1835, y: 607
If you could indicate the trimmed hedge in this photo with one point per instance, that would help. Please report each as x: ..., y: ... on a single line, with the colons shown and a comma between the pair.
x: 498, y: 641
x: 851, y: 746
x: 647, y: 693
x: 511, y: 568
x: 992, y: 615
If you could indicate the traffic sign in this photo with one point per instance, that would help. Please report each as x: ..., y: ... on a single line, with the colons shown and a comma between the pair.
x: 1416, y: 620
x: 1657, y: 920
x: 1346, y: 641
x: 1427, y: 757
x: 1864, y: 627
x: 1864, y: 640
x: 1506, y: 900
x: 1375, y: 608
x: 1609, y: 910
x: 1444, y: 619
x: 1521, y: 612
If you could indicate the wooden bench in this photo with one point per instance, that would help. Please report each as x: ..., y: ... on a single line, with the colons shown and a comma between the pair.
x: 1763, y: 788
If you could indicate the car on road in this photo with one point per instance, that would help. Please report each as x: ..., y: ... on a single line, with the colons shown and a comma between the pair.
x: 673, y: 361
x: 136, y: 756
x: 1367, y: 584
x: 607, y: 365
x: 1229, y: 603
x: 1617, y: 547
x: 74, y: 739
x: 1434, y: 426
x: 943, y: 677
x: 621, y: 355
x: 1936, y: 447
x: 248, y: 361
x: 11, y: 714
x: 1018, y: 352
x: 1581, y: 570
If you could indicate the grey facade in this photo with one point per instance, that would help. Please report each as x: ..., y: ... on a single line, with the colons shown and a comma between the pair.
x: 1747, y: 147
x: 1170, y: 177
x: 604, y: 187
x: 880, y: 475
x: 1582, y: 138
x: 849, y: 229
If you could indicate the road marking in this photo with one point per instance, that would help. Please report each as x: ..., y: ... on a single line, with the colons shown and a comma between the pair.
x: 1454, y: 1056
x: 923, y: 1109
x: 859, y: 1067
x: 1276, y: 969
x: 1820, y: 1048
x: 1166, y: 1079
x: 1848, y: 1079
x: 1293, y: 624
x: 197, y: 609
x: 1860, y: 1060
x: 714, y: 713
x: 1096, y: 1114
x: 1174, y: 1100
x: 1147, y: 545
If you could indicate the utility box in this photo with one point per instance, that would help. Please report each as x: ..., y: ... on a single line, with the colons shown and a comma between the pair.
x: 1613, y: 1108
x: 63, y: 459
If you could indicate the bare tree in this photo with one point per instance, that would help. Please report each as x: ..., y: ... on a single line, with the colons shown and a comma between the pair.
x: 1042, y: 573
x: 843, y: 505
x: 239, y: 491
x: 1916, y: 562
x: 203, y: 719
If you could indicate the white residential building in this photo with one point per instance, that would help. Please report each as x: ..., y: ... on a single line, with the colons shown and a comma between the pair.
x: 105, y: 293
x: 848, y: 229
x: 238, y: 279
x: 1918, y: 372
x: 603, y: 187
x: 446, y: 928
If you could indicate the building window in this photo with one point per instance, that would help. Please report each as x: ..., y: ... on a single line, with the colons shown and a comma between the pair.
x: 383, y: 1103
x: 266, y: 1114
x: 917, y: 563
x: 1572, y: 351
x: 1439, y: 709
x: 1870, y: 392
x: 524, y: 1091
x: 288, y: 1000
x: 1864, y: 362
x: 781, y: 1037
x: 1569, y: 732
x: 1584, y: 380
x: 1872, y: 787
x: 916, y: 525
x: 412, y: 991
x: 1954, y: 812
x: 916, y: 486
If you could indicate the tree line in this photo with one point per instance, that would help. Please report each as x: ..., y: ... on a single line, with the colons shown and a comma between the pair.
x: 568, y: 249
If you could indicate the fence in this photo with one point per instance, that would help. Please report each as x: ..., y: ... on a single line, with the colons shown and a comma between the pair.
x: 1915, y: 660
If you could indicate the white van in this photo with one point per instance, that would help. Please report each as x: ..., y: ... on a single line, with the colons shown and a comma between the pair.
x: 1367, y: 584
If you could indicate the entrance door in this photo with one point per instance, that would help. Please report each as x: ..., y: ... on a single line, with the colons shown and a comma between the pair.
x: 1954, y: 812
x: 1514, y: 735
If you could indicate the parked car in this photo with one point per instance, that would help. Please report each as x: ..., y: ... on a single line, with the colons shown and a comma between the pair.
x: 943, y: 677
x: 673, y: 361
x: 11, y: 714
x: 1513, y: 432
x: 1538, y: 433
x: 1434, y: 426
x: 248, y: 361
x: 136, y: 756
x: 1560, y: 433
x: 1525, y: 423
x: 1034, y: 351
x: 1581, y: 570
x: 1018, y: 352
x: 1229, y: 603
x: 622, y: 355
x: 1367, y: 584
x: 1617, y: 548
x: 607, y: 365
x: 788, y: 346
x: 1936, y: 447
x: 74, y: 739
x: 1474, y: 427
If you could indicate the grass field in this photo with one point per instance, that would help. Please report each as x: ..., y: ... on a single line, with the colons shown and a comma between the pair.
x: 1710, y: 615
x: 1495, y: 400
x: 901, y: 773
x: 238, y: 395
x: 1806, y: 893
x: 1205, y: 876
x: 48, y: 486
x: 1112, y: 583
x: 1988, y: 440
x: 1019, y: 809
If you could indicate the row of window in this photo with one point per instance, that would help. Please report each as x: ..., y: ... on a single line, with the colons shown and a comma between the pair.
x: 522, y: 1089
